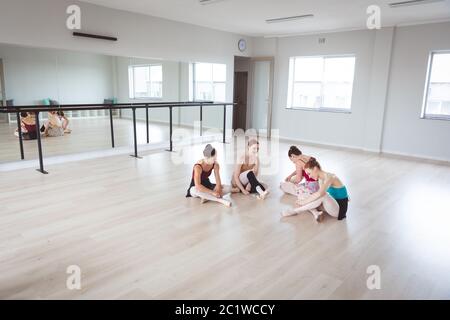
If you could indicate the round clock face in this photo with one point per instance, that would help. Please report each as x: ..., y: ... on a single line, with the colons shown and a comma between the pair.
x: 242, y: 45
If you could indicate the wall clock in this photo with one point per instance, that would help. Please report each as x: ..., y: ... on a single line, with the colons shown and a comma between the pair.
x: 242, y: 45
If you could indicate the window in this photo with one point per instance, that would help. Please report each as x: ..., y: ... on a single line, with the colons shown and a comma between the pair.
x: 437, y: 90
x: 321, y: 83
x: 145, y: 81
x: 208, y: 81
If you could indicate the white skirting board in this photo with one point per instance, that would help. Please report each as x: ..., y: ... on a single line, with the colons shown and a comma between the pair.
x: 126, y: 150
x: 387, y: 153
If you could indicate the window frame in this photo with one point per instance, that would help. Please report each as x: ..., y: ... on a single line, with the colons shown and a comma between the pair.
x: 192, y: 79
x: 292, y: 83
x: 423, y: 114
x: 132, y: 85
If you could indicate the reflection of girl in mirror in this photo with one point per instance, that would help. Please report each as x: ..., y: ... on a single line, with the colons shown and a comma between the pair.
x: 53, y: 127
x: 65, y: 122
x: 28, y: 126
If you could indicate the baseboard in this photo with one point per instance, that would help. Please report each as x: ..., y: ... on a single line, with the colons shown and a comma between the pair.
x: 143, y: 150
x: 175, y: 123
x: 322, y: 144
x: 414, y: 157
x: 386, y: 153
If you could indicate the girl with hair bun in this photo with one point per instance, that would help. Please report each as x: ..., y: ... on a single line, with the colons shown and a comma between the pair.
x: 299, y: 183
x: 293, y: 183
x: 332, y: 195
x: 246, y: 172
x: 201, y: 187
x: 28, y: 126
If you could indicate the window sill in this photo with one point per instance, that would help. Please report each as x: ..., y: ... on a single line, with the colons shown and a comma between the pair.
x: 321, y: 110
x: 203, y: 101
x: 435, y: 117
x: 149, y: 99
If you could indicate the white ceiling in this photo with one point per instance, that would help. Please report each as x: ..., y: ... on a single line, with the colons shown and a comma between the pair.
x: 248, y: 16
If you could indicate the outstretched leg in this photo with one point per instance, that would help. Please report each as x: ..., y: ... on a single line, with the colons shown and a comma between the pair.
x: 308, y: 207
x: 226, y: 189
x: 331, y: 206
x: 206, y: 196
x: 289, y: 188
x: 256, y: 186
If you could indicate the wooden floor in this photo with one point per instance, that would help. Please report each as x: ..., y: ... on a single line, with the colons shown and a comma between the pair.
x: 127, y: 224
x: 87, y: 135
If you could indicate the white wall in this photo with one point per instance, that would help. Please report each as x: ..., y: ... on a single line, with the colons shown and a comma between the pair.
x: 33, y: 74
x: 320, y: 127
x: 391, y: 66
x: 404, y: 131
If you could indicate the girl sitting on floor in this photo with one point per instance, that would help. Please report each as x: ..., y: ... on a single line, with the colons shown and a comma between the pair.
x: 64, y: 121
x: 28, y: 126
x: 298, y: 181
x: 332, y: 196
x: 246, y: 172
x: 53, y: 127
x: 201, y: 187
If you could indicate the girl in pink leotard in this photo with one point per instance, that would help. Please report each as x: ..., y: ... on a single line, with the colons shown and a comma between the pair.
x: 299, y: 183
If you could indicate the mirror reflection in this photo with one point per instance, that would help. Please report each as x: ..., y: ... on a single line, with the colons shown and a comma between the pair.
x: 39, y: 76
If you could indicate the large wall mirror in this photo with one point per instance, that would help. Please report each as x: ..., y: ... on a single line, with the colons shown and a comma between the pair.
x: 40, y: 76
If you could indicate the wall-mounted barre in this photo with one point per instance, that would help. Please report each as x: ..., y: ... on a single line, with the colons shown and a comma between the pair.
x: 94, y: 36
x: 117, y: 106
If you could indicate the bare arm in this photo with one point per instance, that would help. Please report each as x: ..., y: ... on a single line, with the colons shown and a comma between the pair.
x: 236, y: 173
x: 289, y: 177
x: 298, y: 176
x: 55, y: 121
x: 237, y: 181
x: 322, y: 191
x: 218, y: 188
x: 198, y: 181
x: 24, y: 128
x: 256, y: 168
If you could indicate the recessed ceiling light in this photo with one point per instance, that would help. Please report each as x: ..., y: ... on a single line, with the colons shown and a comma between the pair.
x: 411, y: 3
x: 284, y: 19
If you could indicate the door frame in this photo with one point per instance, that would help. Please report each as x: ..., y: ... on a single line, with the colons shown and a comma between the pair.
x: 270, y: 59
x: 2, y: 83
x: 246, y: 97
x: 3, y: 88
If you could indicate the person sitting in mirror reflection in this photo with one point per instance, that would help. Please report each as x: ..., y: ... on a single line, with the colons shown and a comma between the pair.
x: 28, y: 126
x: 65, y: 122
x: 53, y: 127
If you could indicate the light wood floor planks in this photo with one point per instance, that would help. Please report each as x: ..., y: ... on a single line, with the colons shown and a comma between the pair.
x: 126, y: 223
x: 87, y: 135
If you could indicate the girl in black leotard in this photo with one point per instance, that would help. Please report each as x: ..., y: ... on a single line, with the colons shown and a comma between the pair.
x: 201, y: 187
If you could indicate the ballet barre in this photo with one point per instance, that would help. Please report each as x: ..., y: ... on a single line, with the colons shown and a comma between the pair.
x: 37, y: 109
